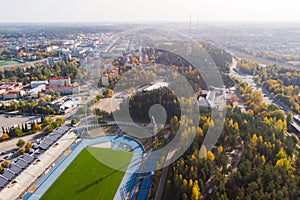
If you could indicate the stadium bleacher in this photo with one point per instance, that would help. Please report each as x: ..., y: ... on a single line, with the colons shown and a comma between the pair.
x: 9, y: 175
x: 126, y: 143
x: 22, y: 163
x: 3, y: 182
x: 64, y: 128
x: 44, y: 145
x: 145, y: 187
x: 28, y: 158
x: 48, y: 141
x: 53, y: 137
x: 15, y: 169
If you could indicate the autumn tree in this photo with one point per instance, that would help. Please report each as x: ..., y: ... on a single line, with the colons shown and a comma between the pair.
x: 28, y: 145
x: 49, y: 128
x: 22, y: 150
x: 210, y: 156
x: 289, y: 119
x: 5, y: 164
x: 60, y: 121
x: 5, y: 136
x: 36, y: 128
x: 20, y: 143
x: 196, y: 191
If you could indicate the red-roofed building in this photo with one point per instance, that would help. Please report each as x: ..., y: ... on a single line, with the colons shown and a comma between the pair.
x: 9, y: 85
x: 114, y: 72
x: 13, y: 94
x: 11, y: 90
x: 71, y: 89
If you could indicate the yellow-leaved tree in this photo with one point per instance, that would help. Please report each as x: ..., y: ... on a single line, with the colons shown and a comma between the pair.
x: 196, y: 191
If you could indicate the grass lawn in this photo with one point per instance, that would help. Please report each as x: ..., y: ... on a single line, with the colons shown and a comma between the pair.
x: 87, y: 178
x: 7, y: 62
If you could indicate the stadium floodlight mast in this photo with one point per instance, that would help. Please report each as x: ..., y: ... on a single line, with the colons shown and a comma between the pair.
x: 154, y: 129
x: 86, y: 118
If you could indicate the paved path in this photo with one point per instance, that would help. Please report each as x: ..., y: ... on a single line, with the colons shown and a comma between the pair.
x: 11, y: 144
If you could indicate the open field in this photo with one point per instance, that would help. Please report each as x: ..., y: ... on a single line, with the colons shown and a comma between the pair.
x: 88, y: 178
x: 7, y: 62
x: 107, y: 104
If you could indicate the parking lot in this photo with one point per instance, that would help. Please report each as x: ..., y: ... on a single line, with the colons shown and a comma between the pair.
x: 25, y: 169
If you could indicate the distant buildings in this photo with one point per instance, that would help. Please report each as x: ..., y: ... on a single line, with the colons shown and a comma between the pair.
x: 11, y: 90
x: 107, y: 65
x: 94, y: 66
x: 66, y: 57
x: 15, y: 90
x: 82, y: 60
x: 50, y: 61
x: 114, y: 72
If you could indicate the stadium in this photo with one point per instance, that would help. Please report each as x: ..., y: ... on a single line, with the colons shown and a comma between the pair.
x: 82, y: 174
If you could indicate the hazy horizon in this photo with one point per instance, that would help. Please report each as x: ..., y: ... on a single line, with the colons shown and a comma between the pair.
x: 116, y: 11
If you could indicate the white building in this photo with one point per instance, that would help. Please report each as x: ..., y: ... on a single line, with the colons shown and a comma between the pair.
x: 35, y: 91
x: 95, y: 71
x: 50, y: 61
x: 60, y: 81
x: 107, y: 65
x: 104, y: 79
x: 82, y: 61
x: 35, y: 84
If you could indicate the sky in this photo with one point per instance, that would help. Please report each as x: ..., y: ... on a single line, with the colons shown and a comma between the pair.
x: 150, y: 10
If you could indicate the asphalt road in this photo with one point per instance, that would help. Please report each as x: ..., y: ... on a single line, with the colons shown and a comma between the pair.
x: 249, y: 79
x: 11, y: 144
x: 262, y: 60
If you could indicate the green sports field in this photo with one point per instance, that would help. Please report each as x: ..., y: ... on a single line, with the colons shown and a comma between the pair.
x: 7, y: 62
x: 87, y: 178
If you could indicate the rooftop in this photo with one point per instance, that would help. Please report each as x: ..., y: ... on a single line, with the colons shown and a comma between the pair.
x: 60, y: 78
x: 70, y: 86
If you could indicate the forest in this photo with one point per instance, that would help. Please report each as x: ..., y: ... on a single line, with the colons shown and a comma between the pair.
x: 283, y: 84
x: 40, y: 72
x: 253, y: 159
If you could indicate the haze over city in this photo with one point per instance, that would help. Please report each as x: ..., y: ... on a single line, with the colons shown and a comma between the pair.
x: 155, y: 10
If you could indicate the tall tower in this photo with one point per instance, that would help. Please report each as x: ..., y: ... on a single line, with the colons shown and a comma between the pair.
x: 190, y: 25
